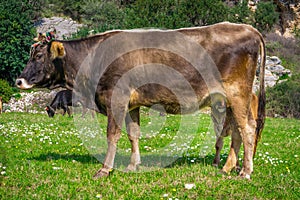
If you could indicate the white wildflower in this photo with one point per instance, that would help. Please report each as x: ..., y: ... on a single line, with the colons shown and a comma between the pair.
x: 189, y: 186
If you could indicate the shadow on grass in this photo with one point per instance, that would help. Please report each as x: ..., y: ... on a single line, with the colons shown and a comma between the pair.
x: 69, y: 157
x: 148, y: 161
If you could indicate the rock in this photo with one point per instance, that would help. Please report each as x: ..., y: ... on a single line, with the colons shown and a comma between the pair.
x: 274, y: 71
x: 270, y: 79
x: 33, y: 102
x: 273, y: 64
x: 275, y: 60
x: 64, y: 27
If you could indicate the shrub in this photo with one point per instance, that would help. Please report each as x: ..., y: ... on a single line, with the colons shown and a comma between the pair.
x: 241, y: 13
x: 284, y: 98
x: 102, y: 14
x: 6, y: 91
x: 175, y: 14
x: 71, y: 8
x: 286, y: 49
x: 265, y: 16
x: 16, y: 34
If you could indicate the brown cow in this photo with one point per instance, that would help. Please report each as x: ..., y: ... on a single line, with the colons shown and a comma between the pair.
x: 128, y: 69
x: 227, y: 130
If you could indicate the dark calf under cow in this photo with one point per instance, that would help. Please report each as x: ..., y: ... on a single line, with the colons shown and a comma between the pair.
x: 234, y: 49
x: 63, y: 99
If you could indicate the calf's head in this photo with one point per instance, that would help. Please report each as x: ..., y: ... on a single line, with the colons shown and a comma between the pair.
x: 50, y: 111
x: 41, y: 68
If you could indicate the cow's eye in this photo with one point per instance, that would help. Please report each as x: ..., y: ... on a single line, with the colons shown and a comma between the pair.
x: 39, y: 56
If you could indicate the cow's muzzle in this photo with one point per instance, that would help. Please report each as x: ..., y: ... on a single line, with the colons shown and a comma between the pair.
x: 23, y: 84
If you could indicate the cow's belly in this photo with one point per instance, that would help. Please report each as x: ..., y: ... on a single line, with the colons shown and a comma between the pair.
x: 164, y: 100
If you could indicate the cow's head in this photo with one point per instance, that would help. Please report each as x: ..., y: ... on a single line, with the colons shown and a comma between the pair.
x: 42, y: 67
x: 50, y: 111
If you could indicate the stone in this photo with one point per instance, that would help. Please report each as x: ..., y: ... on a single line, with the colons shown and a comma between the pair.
x: 64, y: 27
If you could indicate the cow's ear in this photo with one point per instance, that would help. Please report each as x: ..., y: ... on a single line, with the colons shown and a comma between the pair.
x: 57, y: 50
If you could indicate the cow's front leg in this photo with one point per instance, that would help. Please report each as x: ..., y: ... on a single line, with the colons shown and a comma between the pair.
x: 69, y: 111
x: 113, y: 136
x: 133, y: 129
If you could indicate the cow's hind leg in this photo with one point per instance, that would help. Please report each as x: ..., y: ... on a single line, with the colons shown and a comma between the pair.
x: 219, y: 142
x: 243, y: 131
x: 218, y: 146
x: 232, y: 159
x: 133, y: 129
x: 249, y: 143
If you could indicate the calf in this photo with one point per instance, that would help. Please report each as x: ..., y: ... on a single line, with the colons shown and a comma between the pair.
x: 0, y: 105
x: 62, y: 100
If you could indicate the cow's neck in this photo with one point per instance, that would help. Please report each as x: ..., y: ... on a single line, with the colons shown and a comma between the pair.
x: 58, y: 79
x: 76, y: 53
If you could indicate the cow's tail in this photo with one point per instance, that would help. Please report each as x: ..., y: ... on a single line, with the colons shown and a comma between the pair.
x: 261, y: 114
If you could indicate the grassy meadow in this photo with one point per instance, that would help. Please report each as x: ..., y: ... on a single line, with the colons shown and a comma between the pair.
x: 43, y: 158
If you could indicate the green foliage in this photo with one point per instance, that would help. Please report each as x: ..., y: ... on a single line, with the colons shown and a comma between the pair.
x: 154, y: 13
x: 206, y: 12
x: 105, y: 15
x: 284, y: 98
x: 6, y: 91
x: 102, y: 15
x: 265, y: 16
x: 241, y: 13
x: 71, y: 8
x: 16, y: 34
x: 296, y: 31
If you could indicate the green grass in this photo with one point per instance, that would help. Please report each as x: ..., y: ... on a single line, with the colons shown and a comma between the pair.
x: 43, y: 158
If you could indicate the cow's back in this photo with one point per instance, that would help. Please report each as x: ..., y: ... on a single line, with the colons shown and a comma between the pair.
x: 228, y: 45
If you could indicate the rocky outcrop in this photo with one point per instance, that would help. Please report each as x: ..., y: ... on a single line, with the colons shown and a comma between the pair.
x: 64, y: 27
x: 274, y: 73
x: 32, y: 102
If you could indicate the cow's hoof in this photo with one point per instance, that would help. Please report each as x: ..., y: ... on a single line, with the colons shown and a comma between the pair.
x: 131, y: 168
x: 215, y: 165
x: 238, y: 169
x: 222, y: 172
x: 101, y: 173
x: 245, y: 175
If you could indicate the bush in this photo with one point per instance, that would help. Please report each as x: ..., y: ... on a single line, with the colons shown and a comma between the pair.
x: 16, y: 37
x: 265, y: 16
x: 102, y: 15
x: 284, y: 98
x: 241, y: 13
x: 6, y: 91
x: 71, y: 8
x: 286, y: 49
